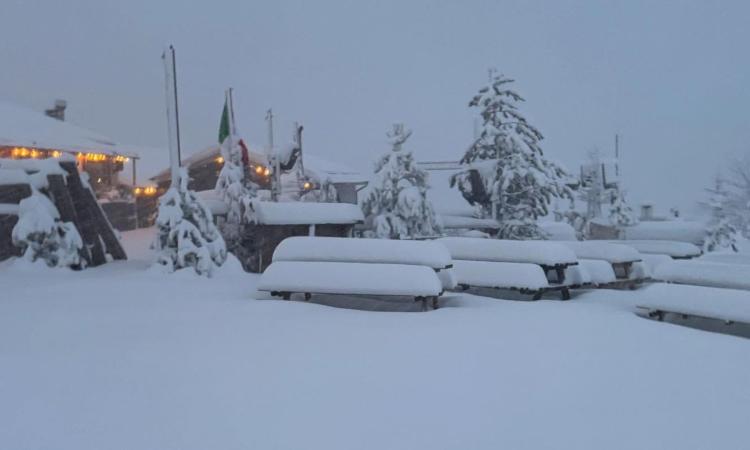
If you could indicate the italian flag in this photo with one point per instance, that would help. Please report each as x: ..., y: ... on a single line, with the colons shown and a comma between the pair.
x: 226, y: 129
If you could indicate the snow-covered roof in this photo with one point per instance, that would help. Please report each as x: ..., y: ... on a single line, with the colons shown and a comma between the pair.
x: 303, y: 213
x: 23, y: 127
x: 315, y: 166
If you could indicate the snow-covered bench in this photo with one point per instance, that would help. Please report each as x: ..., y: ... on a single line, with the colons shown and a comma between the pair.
x: 373, y: 251
x: 673, y: 249
x: 590, y: 273
x: 698, y: 273
x: 324, y: 265
x: 284, y: 278
x: 622, y: 258
x: 369, y: 251
x: 721, y: 304
x: 517, y: 263
x: 522, y: 277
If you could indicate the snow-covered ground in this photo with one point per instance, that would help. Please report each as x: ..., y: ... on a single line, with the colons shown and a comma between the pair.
x: 119, y: 357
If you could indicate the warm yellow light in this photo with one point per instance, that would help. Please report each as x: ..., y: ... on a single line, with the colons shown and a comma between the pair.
x: 259, y: 169
x: 150, y: 190
x: 56, y: 154
x: 127, y: 159
x: 79, y: 155
x: 137, y: 191
x: 33, y: 153
x: 307, y: 185
x: 220, y: 159
x: 267, y: 172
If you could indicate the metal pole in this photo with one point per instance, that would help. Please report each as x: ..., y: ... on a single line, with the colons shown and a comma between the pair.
x: 176, y: 108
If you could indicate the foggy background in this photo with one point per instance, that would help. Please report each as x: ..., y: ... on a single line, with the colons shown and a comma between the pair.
x: 670, y: 77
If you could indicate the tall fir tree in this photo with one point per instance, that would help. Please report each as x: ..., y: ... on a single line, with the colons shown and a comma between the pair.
x: 397, y: 206
x: 505, y: 171
x: 721, y: 233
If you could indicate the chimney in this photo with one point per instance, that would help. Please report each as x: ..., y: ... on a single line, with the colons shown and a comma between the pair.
x: 57, y: 111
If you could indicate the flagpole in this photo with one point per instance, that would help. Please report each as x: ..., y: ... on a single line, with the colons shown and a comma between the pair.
x: 170, y: 90
x: 176, y: 107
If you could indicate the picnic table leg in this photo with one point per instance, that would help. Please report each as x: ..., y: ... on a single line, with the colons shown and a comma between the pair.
x: 565, y: 293
x: 423, y: 300
x: 560, y: 274
x: 286, y: 295
x: 538, y: 294
x: 308, y: 296
x: 435, y: 304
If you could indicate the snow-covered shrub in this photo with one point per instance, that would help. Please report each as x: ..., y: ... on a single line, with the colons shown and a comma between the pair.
x: 42, y: 235
x: 721, y: 233
x: 505, y: 171
x: 397, y: 206
x: 619, y: 211
x: 186, y: 234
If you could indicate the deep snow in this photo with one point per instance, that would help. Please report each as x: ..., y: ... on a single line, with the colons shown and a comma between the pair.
x: 120, y: 357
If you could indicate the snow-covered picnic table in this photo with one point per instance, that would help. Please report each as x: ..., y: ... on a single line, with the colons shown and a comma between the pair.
x: 517, y: 265
x: 373, y: 251
x: 348, y: 266
x: 700, y: 273
x: 723, y: 304
x: 624, y: 260
x: 674, y: 249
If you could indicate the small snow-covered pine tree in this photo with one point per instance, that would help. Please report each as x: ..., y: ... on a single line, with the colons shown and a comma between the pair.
x: 186, y: 234
x: 506, y: 172
x: 721, y: 234
x: 42, y: 235
x: 397, y: 206
x: 619, y: 212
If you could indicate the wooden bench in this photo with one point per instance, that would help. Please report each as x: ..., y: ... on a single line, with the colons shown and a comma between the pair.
x: 551, y: 258
x: 284, y: 278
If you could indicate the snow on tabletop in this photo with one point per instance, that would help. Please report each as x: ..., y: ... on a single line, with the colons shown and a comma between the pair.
x: 640, y: 271
x: 458, y: 222
x: 653, y: 261
x: 350, y: 278
x: 668, y: 230
x: 612, y: 253
x: 558, y: 231
x: 601, y: 272
x: 731, y: 276
x: 448, y: 279
x: 304, y: 213
x: 674, y: 249
x: 506, y: 275
x: 577, y: 275
x: 8, y: 209
x: 724, y: 304
x: 535, y: 252
x: 385, y: 251
x: 727, y: 258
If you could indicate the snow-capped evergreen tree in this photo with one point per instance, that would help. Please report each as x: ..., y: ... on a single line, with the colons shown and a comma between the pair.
x: 397, y: 206
x: 721, y: 234
x: 619, y: 211
x: 42, y: 235
x: 506, y: 173
x: 186, y: 234
x: 737, y: 185
x: 233, y: 186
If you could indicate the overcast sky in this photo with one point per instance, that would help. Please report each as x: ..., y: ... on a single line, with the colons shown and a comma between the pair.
x: 671, y: 77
